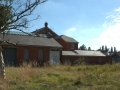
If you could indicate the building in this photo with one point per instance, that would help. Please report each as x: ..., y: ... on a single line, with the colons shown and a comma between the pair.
x: 30, y: 48
x: 89, y: 57
x: 45, y: 46
x: 68, y: 43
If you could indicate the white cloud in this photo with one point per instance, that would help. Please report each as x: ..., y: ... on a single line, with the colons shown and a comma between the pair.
x: 111, y: 35
x: 70, y: 31
x: 117, y: 10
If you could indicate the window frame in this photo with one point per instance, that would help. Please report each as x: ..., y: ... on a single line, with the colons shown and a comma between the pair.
x: 26, y: 53
x: 40, y: 55
x: 72, y: 46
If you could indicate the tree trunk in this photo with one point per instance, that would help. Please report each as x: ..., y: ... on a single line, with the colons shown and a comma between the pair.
x: 2, y: 65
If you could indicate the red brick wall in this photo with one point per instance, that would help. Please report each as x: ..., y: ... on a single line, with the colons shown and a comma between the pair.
x: 104, y: 60
x: 33, y: 53
x: 72, y: 59
x: 66, y: 45
x: 92, y: 60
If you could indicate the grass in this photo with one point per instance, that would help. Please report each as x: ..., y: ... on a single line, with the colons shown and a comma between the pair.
x: 83, y: 77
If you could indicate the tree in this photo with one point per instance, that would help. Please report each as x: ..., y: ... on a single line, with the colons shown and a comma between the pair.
x: 105, y: 48
x: 99, y: 49
x: 102, y: 48
x: 114, y: 49
x: 83, y: 47
x: 14, y: 15
x: 111, y: 49
x: 89, y: 48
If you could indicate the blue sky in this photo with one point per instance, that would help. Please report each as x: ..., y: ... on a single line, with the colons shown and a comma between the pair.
x: 91, y: 22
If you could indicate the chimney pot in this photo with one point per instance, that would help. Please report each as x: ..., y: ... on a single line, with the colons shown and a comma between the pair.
x: 46, y: 24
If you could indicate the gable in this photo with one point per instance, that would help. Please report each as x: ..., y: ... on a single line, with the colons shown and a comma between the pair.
x: 45, y: 30
x: 67, y: 39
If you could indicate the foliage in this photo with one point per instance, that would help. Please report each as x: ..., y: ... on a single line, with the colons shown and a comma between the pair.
x: 82, y: 77
x: 14, y: 14
x: 83, y: 47
x: 103, y: 49
x: 111, y: 49
x: 89, y: 48
x: 99, y: 49
x: 79, y: 61
x: 114, y: 49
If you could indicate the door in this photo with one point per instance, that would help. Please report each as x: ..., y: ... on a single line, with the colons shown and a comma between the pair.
x: 54, y: 57
x: 9, y: 55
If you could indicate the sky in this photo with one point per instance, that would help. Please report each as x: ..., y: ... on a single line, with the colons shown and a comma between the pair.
x: 91, y: 22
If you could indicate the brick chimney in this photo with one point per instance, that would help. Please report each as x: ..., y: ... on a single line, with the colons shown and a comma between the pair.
x: 46, y: 24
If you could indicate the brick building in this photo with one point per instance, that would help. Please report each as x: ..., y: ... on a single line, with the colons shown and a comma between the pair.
x: 30, y: 48
x: 89, y: 57
x: 45, y: 46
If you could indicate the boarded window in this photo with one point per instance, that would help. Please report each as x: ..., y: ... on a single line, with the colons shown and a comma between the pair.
x: 72, y: 45
x: 87, y: 61
x: 26, y: 55
x: 40, y: 55
x: 100, y: 61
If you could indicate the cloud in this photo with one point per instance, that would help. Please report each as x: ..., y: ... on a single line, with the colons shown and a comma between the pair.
x: 111, y: 35
x: 70, y: 31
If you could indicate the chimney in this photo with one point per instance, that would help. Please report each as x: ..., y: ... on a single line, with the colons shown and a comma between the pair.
x: 46, y: 24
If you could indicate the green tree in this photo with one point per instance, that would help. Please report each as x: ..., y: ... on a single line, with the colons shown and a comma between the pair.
x: 83, y: 47
x: 106, y: 49
x: 14, y: 15
x: 112, y: 49
x: 103, y: 48
x: 99, y: 49
x: 89, y: 48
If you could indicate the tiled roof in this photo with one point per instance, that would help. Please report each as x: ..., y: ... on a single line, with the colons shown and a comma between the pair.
x: 82, y: 53
x: 89, y: 53
x: 30, y: 40
x: 68, y: 39
x: 26, y: 34
x: 69, y: 53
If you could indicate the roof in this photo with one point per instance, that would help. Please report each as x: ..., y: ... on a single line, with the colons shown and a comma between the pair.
x: 27, y: 33
x: 30, y: 40
x: 43, y: 30
x: 67, y: 39
x: 89, y: 53
x: 69, y: 53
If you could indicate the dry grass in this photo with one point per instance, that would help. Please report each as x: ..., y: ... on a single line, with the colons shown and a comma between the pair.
x: 63, y: 77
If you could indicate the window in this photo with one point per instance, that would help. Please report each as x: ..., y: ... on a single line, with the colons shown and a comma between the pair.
x: 100, y: 61
x: 72, y: 45
x: 40, y: 55
x: 69, y: 60
x: 26, y: 55
x: 87, y: 61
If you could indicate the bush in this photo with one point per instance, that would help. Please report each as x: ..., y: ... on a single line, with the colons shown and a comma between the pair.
x: 79, y: 61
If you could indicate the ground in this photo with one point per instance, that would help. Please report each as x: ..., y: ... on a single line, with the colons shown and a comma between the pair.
x: 63, y: 77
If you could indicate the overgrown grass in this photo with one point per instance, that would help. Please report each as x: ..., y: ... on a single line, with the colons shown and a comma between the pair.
x: 84, y: 77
